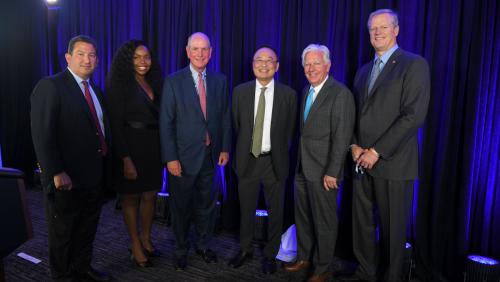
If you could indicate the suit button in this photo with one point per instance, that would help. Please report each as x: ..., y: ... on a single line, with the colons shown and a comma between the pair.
x: 99, y: 150
x: 97, y: 134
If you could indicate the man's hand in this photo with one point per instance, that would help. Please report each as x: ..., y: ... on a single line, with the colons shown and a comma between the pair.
x: 330, y: 183
x: 368, y: 158
x: 62, y: 181
x: 223, y: 158
x: 174, y: 168
x: 356, y: 152
x: 129, y: 171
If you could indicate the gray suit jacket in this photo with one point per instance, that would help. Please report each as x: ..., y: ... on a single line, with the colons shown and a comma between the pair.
x: 388, y: 119
x: 325, y: 135
x: 282, y: 125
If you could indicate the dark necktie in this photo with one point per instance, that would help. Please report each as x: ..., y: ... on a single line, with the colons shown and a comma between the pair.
x: 374, y: 75
x: 258, y: 128
x: 93, y: 113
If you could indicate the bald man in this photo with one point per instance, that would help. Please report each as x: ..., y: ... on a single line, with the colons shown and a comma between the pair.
x: 195, y: 135
x: 264, y: 120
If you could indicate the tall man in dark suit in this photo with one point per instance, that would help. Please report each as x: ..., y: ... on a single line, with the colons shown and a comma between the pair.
x: 195, y: 134
x: 264, y: 113
x: 70, y: 133
x: 392, y: 93
x: 326, y: 127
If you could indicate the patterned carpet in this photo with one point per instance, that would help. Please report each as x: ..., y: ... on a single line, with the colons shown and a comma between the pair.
x: 111, y: 255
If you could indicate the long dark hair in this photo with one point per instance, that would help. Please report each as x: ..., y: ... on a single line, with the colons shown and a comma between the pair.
x: 121, y: 75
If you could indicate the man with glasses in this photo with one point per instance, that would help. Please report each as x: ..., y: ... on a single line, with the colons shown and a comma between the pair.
x: 264, y: 113
x: 326, y: 127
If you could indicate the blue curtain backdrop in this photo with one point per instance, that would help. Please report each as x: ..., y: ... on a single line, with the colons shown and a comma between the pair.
x: 457, y: 200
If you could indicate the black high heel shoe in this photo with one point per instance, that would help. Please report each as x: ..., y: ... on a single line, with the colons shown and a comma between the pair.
x: 152, y: 254
x: 141, y: 264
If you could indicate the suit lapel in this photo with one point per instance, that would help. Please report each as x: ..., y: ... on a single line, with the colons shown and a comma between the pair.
x: 320, y: 98
x: 277, y: 105
x: 393, y: 60
x: 77, y: 95
x: 190, y: 93
x: 249, y: 99
x: 211, y: 99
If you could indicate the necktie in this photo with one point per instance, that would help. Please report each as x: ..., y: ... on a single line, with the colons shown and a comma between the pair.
x: 309, y: 102
x: 203, y: 102
x: 258, y: 127
x: 374, y: 75
x: 90, y: 102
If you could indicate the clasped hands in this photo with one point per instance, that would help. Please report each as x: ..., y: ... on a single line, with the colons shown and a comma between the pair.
x: 364, y: 158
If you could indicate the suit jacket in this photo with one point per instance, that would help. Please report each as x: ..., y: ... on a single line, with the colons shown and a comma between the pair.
x: 282, y: 125
x: 388, y: 119
x: 325, y: 136
x: 64, y: 132
x: 183, y: 126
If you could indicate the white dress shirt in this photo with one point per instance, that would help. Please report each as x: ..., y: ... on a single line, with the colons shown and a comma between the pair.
x: 269, y: 95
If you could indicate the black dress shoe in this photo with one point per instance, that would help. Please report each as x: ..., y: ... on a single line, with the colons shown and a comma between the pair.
x: 352, y: 277
x: 207, y: 255
x: 239, y: 259
x: 268, y: 265
x: 180, y: 262
x: 94, y: 275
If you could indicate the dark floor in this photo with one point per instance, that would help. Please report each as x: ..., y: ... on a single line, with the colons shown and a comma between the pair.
x: 111, y: 254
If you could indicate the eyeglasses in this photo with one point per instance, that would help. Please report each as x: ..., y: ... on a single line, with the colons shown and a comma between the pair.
x: 261, y: 62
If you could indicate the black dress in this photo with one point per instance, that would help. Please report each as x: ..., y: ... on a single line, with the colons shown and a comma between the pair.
x: 134, y: 126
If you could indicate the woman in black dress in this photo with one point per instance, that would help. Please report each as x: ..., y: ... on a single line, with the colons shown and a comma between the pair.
x: 134, y: 87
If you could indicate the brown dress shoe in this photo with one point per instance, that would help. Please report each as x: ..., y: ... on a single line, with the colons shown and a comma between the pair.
x: 297, y: 266
x: 319, y: 277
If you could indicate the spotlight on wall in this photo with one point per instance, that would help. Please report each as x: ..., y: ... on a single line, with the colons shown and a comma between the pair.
x: 52, y: 4
x: 481, y: 269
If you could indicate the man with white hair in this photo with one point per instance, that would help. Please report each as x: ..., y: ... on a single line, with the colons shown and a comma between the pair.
x: 326, y: 127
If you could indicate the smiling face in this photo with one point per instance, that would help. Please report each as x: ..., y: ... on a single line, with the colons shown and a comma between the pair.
x: 383, y: 33
x: 142, y: 60
x: 199, y: 51
x: 265, y: 65
x: 315, y: 67
x: 83, y: 60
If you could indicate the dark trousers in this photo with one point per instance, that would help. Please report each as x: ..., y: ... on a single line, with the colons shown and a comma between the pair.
x: 260, y: 170
x: 393, y: 200
x: 72, y: 218
x: 316, y: 222
x: 193, y: 197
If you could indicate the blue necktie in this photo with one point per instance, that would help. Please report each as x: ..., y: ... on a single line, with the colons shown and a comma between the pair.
x: 309, y: 102
x: 374, y: 74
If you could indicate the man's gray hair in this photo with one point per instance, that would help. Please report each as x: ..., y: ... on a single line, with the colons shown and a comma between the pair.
x: 317, y: 47
x: 393, y: 14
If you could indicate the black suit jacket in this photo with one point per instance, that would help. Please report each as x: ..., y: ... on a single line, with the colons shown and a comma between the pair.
x: 282, y: 125
x: 64, y: 133
x: 388, y: 119
x: 325, y: 135
x: 183, y: 126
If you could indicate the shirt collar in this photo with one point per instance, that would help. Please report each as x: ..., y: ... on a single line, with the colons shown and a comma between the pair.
x: 270, y: 85
x: 194, y: 72
x: 318, y: 88
x: 385, y: 57
x: 77, y: 78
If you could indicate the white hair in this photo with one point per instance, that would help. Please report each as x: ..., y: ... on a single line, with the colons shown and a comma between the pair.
x: 198, y: 34
x: 317, y: 47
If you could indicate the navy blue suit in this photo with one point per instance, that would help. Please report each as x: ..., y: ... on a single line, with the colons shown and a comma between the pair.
x: 182, y: 133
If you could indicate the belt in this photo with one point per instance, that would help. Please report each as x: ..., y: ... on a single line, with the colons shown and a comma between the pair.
x: 141, y: 125
x: 265, y: 154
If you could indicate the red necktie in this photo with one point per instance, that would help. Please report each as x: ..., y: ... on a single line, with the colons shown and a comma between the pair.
x: 90, y: 102
x: 203, y: 102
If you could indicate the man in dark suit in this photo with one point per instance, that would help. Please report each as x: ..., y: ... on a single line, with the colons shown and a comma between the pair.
x: 70, y: 133
x: 326, y: 127
x: 195, y: 134
x: 392, y: 94
x: 264, y: 113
